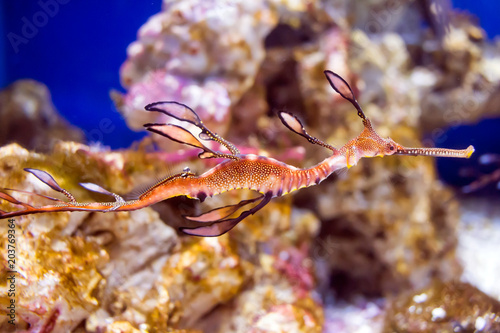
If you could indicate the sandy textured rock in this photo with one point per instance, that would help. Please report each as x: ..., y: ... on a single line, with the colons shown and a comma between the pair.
x: 442, y: 307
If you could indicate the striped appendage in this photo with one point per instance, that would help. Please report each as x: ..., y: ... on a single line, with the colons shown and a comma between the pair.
x: 437, y: 152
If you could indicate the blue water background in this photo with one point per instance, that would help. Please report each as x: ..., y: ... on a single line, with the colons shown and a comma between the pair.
x: 78, y: 53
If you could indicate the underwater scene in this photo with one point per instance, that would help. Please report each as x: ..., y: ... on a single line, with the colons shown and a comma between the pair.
x: 250, y: 166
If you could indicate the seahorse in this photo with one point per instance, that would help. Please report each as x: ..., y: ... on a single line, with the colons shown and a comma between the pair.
x: 268, y: 176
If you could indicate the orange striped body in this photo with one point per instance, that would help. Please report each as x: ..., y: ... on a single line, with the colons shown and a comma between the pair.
x: 259, y: 173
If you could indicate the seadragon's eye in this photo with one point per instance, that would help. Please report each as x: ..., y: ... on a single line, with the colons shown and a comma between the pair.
x: 391, y: 147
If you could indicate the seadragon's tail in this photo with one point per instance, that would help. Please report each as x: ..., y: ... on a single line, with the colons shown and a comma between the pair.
x: 60, y: 205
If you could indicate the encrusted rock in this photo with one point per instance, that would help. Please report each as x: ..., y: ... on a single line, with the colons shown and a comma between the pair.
x: 444, y: 307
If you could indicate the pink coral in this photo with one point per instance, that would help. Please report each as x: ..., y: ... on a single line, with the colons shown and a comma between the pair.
x: 203, y: 53
x: 209, y: 98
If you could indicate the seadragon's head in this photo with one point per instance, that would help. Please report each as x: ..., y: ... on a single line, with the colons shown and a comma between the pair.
x: 369, y: 144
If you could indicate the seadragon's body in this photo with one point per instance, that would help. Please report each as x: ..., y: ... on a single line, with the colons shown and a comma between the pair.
x: 262, y: 174
x: 265, y: 175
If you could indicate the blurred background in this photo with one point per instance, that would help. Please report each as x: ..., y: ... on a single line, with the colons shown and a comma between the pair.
x: 330, y: 253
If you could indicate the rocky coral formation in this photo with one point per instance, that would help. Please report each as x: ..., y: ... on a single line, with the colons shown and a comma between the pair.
x: 444, y: 307
x: 192, y: 50
x: 280, y: 296
x: 272, y: 307
x: 72, y: 265
x: 382, y: 249
x: 55, y: 281
x: 30, y: 119
x: 466, y: 78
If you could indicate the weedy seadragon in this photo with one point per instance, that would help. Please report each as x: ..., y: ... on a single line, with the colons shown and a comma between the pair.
x: 268, y: 176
